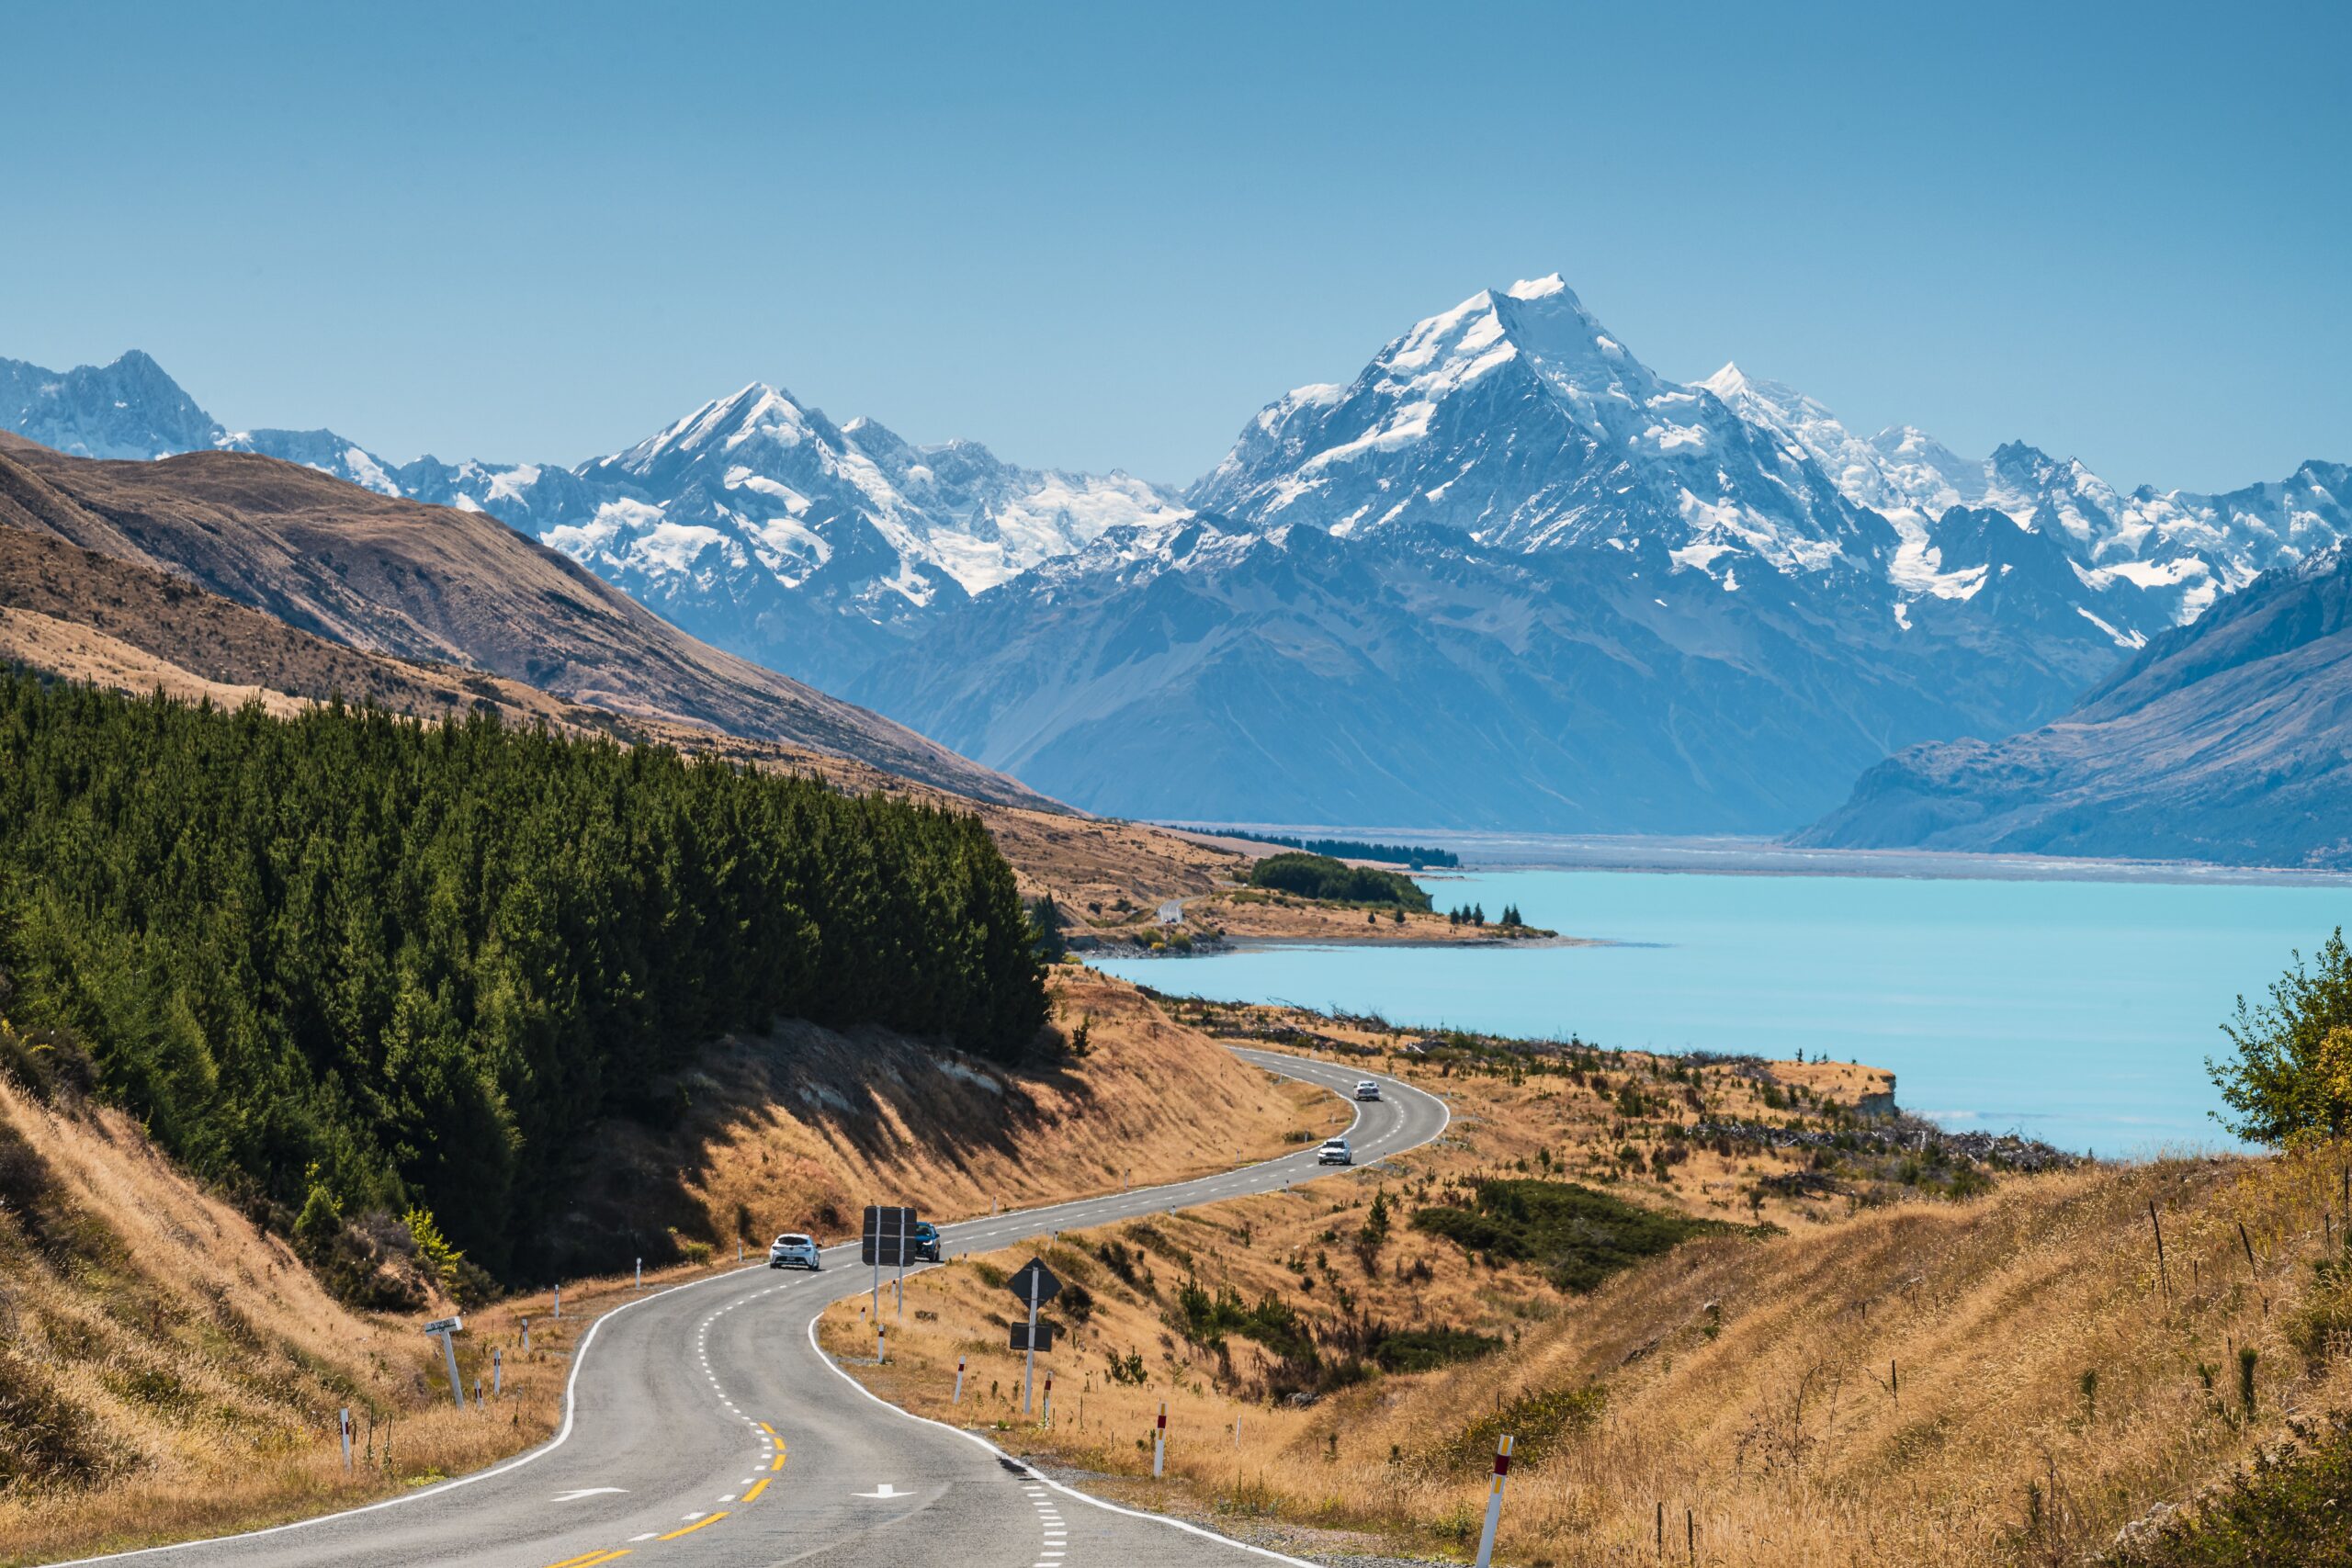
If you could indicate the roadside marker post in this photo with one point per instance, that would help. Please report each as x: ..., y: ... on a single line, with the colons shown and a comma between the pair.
x: 1047, y: 1414
x: 1159, y: 1444
x: 345, y: 1424
x: 477, y: 1391
x: 1495, y: 1502
x: 881, y: 1344
x: 498, y: 1375
x: 960, y: 1381
x: 527, y: 1336
x: 640, y: 1273
x: 445, y: 1327
x: 558, y: 1301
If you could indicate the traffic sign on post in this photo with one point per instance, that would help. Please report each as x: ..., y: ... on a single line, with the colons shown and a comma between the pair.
x: 445, y: 1327
x: 1033, y: 1284
x: 1041, y: 1337
x: 889, y: 1234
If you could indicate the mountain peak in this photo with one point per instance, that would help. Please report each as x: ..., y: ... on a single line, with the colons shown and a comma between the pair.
x: 1541, y: 287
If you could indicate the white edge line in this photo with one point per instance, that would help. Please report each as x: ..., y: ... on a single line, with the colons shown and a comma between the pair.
x: 563, y: 1435
x: 1033, y: 1472
x: 1087, y: 1497
x: 580, y: 1359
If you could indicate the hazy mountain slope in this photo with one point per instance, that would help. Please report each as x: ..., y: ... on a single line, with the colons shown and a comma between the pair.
x: 2226, y: 740
x: 438, y: 584
x: 1511, y: 575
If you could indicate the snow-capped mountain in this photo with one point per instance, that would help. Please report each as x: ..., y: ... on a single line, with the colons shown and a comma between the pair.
x: 129, y: 409
x: 2174, y: 551
x: 754, y: 523
x: 1507, y: 575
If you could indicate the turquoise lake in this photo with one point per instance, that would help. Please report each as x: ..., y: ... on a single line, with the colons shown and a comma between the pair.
x: 2079, y: 1012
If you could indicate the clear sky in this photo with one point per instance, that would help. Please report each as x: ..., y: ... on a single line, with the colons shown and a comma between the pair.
x: 1105, y: 235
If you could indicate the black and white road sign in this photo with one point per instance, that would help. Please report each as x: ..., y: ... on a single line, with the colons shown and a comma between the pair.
x: 888, y: 1238
x: 1034, y: 1282
x: 1043, y: 1333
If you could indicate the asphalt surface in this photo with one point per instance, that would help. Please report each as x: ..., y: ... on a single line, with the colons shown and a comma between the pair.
x: 706, y: 1429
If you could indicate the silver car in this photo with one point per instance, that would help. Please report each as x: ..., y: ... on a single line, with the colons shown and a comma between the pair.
x: 1367, y: 1089
x: 1335, y: 1151
x: 795, y: 1251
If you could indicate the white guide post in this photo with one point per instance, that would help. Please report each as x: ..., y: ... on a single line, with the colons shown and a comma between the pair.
x: 640, y: 1273
x: 527, y: 1336
x: 1159, y: 1444
x: 558, y: 1301
x: 960, y: 1381
x: 1029, y: 1370
x: 1047, y: 1414
x: 345, y: 1424
x: 477, y: 1391
x: 881, y: 1344
x: 1495, y: 1502
x: 498, y: 1375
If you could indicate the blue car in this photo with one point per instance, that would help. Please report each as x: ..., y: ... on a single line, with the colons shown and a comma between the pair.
x: 927, y: 1242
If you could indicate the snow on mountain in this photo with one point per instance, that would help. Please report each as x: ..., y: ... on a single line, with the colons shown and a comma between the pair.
x: 2169, y: 554
x: 129, y: 409
x: 1516, y: 418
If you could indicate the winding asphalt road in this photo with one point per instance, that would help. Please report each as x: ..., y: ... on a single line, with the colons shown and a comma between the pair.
x: 705, y: 1429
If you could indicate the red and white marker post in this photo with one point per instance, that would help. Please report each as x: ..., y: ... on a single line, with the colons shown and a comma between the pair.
x: 1495, y: 1502
x: 1048, y: 1415
x: 959, y: 1380
x: 1159, y: 1444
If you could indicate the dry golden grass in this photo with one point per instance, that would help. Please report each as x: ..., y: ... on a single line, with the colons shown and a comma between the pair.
x: 1899, y: 1385
x: 204, y: 1365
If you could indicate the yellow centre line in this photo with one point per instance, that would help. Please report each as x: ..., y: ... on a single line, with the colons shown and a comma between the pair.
x: 698, y: 1524
x: 590, y: 1559
x: 757, y: 1487
x: 779, y: 1461
x: 768, y: 1429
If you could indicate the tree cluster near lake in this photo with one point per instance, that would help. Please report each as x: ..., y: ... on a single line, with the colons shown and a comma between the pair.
x: 1417, y: 856
x: 354, y: 964
x: 1320, y: 876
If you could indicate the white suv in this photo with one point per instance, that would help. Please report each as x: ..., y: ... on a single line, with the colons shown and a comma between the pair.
x: 1335, y: 1151
x: 792, y: 1252
x: 1367, y: 1089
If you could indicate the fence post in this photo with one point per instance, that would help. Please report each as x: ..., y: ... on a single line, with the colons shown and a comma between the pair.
x: 960, y: 1381
x: 1159, y: 1444
x: 1495, y: 1502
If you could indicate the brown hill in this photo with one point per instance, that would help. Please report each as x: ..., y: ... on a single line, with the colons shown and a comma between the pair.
x: 439, y: 586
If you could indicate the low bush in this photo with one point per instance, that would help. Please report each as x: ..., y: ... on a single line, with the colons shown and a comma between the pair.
x: 1578, y: 1236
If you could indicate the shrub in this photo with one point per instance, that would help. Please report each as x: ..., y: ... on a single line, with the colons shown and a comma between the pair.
x: 1578, y: 1236
x: 2287, y: 1507
x: 2291, y: 1079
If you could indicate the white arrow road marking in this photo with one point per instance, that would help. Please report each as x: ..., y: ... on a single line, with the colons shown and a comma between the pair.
x: 574, y: 1495
x: 885, y: 1490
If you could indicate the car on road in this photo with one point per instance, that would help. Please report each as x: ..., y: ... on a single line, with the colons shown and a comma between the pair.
x: 1367, y: 1089
x: 792, y: 1250
x: 1335, y: 1151
x: 927, y: 1242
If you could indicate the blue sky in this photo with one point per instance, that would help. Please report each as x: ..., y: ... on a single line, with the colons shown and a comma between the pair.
x: 1101, y: 235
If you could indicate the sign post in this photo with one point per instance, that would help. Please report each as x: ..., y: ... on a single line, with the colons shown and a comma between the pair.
x: 1035, y: 1284
x: 445, y: 1327
x: 889, y: 1232
x: 1495, y: 1502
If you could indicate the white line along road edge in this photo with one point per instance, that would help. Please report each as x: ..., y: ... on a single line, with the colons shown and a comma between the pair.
x: 562, y: 1436
x: 1033, y: 1473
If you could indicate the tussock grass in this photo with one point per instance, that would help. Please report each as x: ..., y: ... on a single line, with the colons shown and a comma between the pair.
x: 2000, y: 1377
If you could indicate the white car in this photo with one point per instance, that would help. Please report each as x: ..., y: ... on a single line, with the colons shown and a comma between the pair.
x: 1367, y: 1089
x: 795, y: 1251
x: 1335, y: 1151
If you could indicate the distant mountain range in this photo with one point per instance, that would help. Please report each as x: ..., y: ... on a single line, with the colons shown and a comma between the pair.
x: 1508, y: 576
x: 2228, y: 739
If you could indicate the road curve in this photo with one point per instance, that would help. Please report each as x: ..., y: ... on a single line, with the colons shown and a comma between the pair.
x: 704, y: 1429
